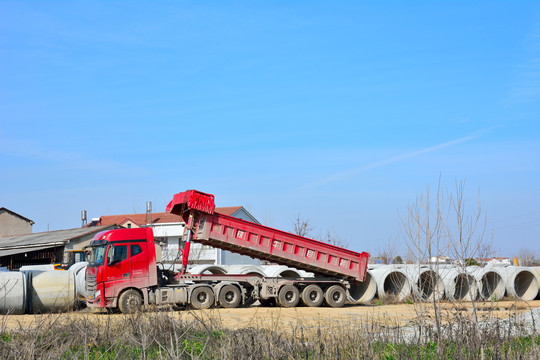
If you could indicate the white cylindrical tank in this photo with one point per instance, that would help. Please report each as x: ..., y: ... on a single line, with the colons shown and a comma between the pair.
x: 78, y: 271
x: 12, y: 292
x: 51, y: 291
x: 45, y: 267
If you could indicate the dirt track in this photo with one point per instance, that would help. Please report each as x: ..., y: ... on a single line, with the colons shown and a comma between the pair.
x: 285, y: 318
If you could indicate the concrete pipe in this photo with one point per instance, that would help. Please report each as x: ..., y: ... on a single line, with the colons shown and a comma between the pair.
x: 46, y: 267
x: 459, y: 284
x: 306, y: 274
x: 209, y: 269
x: 521, y: 282
x: 363, y: 292
x: 12, y: 292
x: 78, y: 270
x: 491, y: 285
x: 280, y: 271
x: 391, y: 281
x: 426, y: 283
x: 245, y: 270
x: 51, y: 291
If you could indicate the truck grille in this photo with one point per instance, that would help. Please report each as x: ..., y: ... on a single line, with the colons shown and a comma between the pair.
x: 90, y: 284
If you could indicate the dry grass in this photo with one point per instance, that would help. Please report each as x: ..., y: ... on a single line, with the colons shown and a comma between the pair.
x: 175, y: 335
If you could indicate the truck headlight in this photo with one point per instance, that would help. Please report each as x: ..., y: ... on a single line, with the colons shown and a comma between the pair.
x: 96, y: 294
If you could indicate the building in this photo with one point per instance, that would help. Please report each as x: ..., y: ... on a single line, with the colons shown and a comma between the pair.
x: 12, y: 223
x: 45, y: 247
x: 494, y: 261
x: 168, y: 232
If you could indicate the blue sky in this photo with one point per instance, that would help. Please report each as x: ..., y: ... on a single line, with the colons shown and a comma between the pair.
x: 340, y: 112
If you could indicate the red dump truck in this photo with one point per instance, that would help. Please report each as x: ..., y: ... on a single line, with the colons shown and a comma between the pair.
x: 123, y: 273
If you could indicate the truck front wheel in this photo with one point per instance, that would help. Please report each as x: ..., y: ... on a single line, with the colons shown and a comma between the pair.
x: 130, y: 302
x: 202, y: 297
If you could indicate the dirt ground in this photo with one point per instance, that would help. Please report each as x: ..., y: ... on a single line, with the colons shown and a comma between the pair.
x: 276, y: 318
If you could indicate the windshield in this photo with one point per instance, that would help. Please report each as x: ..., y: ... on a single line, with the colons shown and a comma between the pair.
x: 97, y: 253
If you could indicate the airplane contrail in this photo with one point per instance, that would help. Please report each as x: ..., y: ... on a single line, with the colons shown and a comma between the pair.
x: 349, y: 172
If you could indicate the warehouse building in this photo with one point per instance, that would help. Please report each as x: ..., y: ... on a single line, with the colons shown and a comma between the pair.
x: 45, y: 247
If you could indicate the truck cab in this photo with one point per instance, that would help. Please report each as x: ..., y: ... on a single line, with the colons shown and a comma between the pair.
x: 121, y: 268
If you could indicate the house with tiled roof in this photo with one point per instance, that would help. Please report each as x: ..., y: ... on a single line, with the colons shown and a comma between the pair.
x: 168, y: 232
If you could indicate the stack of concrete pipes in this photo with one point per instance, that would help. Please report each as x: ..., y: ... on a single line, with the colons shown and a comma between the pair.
x: 40, y: 288
x: 417, y: 282
x: 450, y: 282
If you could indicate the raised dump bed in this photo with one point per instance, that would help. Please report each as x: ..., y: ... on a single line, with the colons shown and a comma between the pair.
x: 262, y: 242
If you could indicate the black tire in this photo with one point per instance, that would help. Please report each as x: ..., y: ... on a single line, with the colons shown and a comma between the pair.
x: 288, y: 296
x: 130, y: 302
x: 230, y: 296
x: 312, y: 295
x: 202, y: 297
x: 335, y: 296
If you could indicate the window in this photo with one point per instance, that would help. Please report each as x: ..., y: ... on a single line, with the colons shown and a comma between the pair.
x: 135, y: 249
x: 120, y: 253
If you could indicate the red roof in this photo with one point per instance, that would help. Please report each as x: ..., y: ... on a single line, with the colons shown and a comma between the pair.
x: 157, y: 218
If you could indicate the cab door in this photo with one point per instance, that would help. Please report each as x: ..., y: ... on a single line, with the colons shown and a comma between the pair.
x: 139, y: 264
x: 118, y: 269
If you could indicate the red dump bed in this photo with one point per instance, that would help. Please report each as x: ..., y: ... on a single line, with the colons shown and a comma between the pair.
x: 258, y: 241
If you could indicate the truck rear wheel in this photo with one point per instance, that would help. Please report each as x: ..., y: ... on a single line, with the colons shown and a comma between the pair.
x: 335, y: 296
x: 229, y: 296
x: 202, y: 297
x: 130, y: 302
x: 289, y: 296
x: 312, y: 295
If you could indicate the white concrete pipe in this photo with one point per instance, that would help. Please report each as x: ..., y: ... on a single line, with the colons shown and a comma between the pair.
x: 51, y: 291
x: 306, y: 274
x: 363, y: 292
x: 280, y: 271
x: 459, y: 284
x: 491, y: 285
x: 78, y: 270
x: 209, y: 269
x: 245, y: 270
x: 426, y: 284
x: 45, y: 267
x: 391, y: 281
x: 12, y: 292
x: 521, y: 282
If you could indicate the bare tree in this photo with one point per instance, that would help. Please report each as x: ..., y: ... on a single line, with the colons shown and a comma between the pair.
x: 526, y: 257
x: 333, y: 238
x: 302, y: 227
x: 443, y: 225
x: 388, y: 253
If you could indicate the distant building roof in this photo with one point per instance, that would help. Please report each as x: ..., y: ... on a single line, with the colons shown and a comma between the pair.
x: 161, y: 218
x: 51, y: 238
x: 18, y: 215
